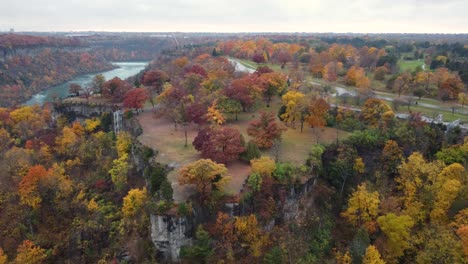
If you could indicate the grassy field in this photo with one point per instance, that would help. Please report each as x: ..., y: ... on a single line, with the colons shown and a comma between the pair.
x: 409, y: 65
x: 160, y: 135
x: 252, y: 65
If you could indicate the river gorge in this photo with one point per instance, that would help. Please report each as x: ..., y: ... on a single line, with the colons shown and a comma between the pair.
x: 124, y: 70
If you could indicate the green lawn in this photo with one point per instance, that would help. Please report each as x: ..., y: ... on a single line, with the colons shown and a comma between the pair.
x: 409, y: 65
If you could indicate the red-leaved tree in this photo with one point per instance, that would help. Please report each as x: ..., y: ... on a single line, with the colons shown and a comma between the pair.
x: 265, y: 130
x: 136, y: 98
x: 219, y: 144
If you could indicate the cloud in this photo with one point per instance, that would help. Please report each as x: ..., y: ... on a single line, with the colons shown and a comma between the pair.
x: 241, y: 15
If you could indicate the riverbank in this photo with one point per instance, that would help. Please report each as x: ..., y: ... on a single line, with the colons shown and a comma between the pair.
x: 123, y: 70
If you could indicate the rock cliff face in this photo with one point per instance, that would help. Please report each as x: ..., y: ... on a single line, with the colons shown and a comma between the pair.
x: 169, y: 234
x: 85, y: 109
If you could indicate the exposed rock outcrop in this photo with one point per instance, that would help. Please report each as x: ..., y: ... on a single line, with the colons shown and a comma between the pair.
x: 169, y: 234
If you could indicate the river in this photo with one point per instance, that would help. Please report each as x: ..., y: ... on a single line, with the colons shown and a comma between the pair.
x: 125, y: 70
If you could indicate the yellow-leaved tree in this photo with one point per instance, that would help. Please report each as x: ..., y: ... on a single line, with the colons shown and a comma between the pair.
x: 446, y: 189
x: 29, y: 253
x: 372, y: 256
x: 119, y: 171
x: 134, y: 202
x: 295, y: 104
x: 123, y: 143
x: 3, y: 257
x: 264, y: 166
x: 206, y: 175
x: 376, y: 113
x: 397, y: 230
x: 214, y: 116
x: 415, y: 175
x: 250, y: 234
x: 363, y: 208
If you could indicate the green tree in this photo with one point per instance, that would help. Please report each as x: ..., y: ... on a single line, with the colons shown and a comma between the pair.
x: 359, y: 244
x: 202, y: 248
x: 251, y: 152
x: 230, y: 106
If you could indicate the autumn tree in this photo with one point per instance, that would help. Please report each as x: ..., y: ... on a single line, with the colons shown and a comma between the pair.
x: 391, y: 157
x: 318, y: 109
x: 221, y: 144
x: 450, y: 88
x: 29, y: 186
x: 5, y: 140
x: 3, y: 257
x: 69, y: 142
x: 414, y: 174
x: 28, y: 252
x: 230, y: 106
x: 295, y: 104
x: 135, y: 98
x: 426, y: 81
x: 75, y: 89
x: 380, y: 72
x: 439, y: 244
x: 27, y: 121
x: 331, y: 70
x: 462, y: 99
x: 397, y: 230
x: 356, y: 76
x: 244, y: 90
x: 154, y: 79
x: 372, y: 256
x: 402, y: 83
x: 250, y: 233
x: 447, y: 187
x: 207, y: 176
x: 448, y: 84
x: 134, y: 202
x: 264, y: 166
x: 376, y: 113
x: 115, y: 89
x: 169, y: 100
x: 272, y: 84
x: 341, y: 258
x: 214, y: 115
x: 98, y: 83
x: 363, y: 208
x: 265, y: 130
x: 119, y: 171
x: 283, y: 58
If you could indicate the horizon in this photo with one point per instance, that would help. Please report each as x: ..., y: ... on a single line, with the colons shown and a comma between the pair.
x: 338, y: 16
x: 233, y: 32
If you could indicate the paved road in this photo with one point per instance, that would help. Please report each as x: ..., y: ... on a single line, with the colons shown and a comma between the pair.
x: 381, y: 95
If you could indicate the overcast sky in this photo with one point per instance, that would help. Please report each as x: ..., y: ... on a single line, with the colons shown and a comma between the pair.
x: 366, y: 16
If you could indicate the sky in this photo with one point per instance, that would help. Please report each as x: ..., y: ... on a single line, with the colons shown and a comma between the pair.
x: 341, y: 16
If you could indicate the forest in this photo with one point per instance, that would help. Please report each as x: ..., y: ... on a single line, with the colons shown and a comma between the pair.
x: 269, y: 148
